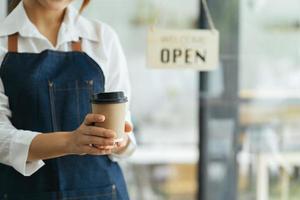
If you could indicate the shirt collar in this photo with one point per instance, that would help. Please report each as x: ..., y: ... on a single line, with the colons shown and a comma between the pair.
x: 17, y: 21
x: 72, y: 28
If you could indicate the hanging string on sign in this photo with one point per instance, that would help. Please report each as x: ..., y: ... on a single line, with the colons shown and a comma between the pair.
x: 208, y: 15
x: 184, y: 49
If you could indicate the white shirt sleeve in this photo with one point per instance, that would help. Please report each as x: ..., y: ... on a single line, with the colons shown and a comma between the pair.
x: 14, y: 143
x: 118, y: 80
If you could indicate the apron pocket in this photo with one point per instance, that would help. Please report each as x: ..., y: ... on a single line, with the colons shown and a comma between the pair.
x: 69, y: 102
x: 103, y: 193
x: 33, y: 196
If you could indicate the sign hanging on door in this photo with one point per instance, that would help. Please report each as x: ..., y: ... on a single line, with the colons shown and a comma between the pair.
x: 184, y: 49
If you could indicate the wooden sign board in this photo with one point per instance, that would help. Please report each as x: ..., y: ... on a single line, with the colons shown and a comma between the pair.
x: 184, y: 49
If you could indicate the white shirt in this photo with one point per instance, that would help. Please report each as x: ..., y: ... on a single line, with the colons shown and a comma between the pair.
x: 99, y: 41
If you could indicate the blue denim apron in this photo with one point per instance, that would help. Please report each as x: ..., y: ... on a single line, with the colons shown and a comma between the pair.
x: 48, y: 92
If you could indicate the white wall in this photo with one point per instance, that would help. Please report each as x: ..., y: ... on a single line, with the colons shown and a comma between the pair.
x: 2, y: 9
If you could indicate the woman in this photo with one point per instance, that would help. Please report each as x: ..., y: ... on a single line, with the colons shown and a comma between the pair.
x: 53, y: 59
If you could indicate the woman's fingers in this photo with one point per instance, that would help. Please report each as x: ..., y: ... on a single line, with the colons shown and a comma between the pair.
x: 105, y: 147
x: 90, y: 119
x: 94, y: 140
x: 128, y: 127
x: 87, y: 139
x: 87, y: 149
x: 99, y: 132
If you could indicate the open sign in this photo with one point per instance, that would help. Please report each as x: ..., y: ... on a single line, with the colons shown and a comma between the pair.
x: 187, y: 56
x: 186, y: 49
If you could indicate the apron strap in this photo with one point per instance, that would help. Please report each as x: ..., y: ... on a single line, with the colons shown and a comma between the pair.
x: 76, y: 46
x: 13, y: 43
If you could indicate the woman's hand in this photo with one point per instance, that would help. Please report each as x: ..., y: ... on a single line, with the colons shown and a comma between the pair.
x: 87, y: 137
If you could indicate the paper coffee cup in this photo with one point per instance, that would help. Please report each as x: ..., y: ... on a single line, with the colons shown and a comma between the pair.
x: 113, y: 106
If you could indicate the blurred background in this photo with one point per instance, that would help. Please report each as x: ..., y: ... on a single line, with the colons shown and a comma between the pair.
x: 233, y: 133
